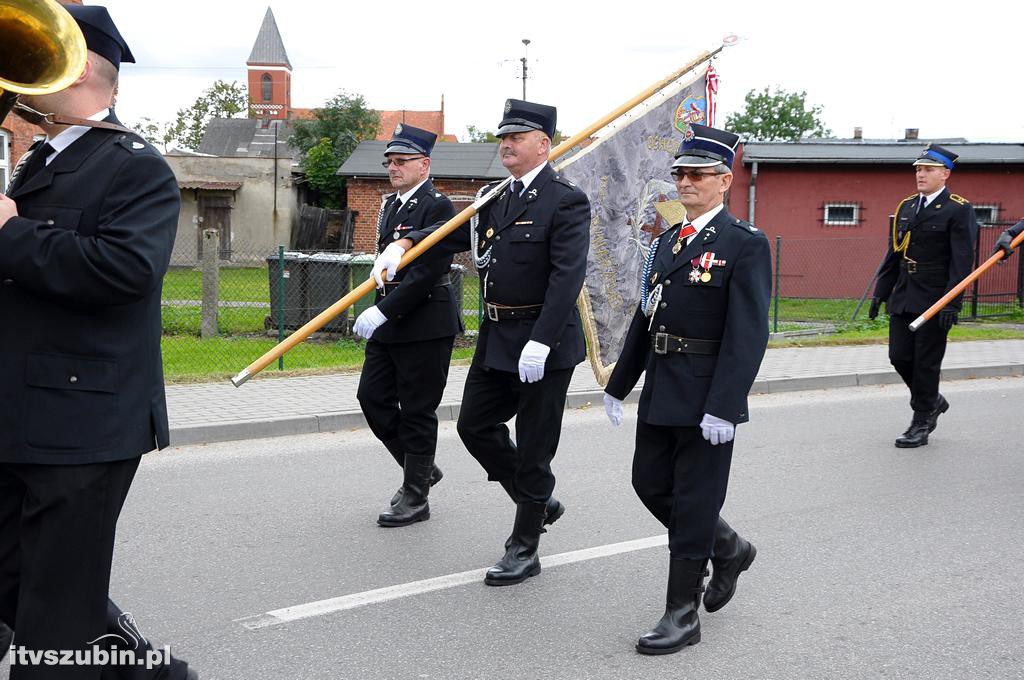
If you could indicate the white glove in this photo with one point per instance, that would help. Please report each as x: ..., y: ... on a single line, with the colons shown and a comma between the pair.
x: 531, y: 361
x: 716, y: 430
x: 613, y: 409
x: 367, y: 322
x: 388, y: 260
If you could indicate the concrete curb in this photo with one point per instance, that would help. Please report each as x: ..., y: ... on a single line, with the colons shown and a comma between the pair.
x: 208, y: 433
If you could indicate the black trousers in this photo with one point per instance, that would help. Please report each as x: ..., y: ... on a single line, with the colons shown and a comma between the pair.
x: 917, y: 357
x: 399, y: 390
x: 57, y: 525
x: 489, y: 400
x: 682, y: 479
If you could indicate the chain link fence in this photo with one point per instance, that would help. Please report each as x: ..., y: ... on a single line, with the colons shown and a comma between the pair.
x: 825, y: 285
x: 223, y: 310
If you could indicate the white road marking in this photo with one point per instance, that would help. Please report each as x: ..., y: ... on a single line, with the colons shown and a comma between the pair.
x: 338, y: 604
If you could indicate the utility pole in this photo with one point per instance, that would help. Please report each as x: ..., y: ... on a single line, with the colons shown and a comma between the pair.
x: 526, y: 46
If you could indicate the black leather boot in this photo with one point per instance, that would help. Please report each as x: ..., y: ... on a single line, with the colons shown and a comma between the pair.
x: 412, y: 506
x: 552, y: 513
x: 680, y: 625
x: 917, y: 434
x: 941, y: 406
x: 733, y: 555
x: 435, y: 477
x: 521, y: 560
x: 123, y: 625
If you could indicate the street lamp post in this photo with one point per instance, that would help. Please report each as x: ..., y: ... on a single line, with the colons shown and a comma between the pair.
x: 526, y: 45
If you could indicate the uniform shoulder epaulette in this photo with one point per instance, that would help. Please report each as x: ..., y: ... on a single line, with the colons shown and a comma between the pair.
x: 132, y: 143
x: 745, y: 226
x: 562, y: 180
x: 958, y: 199
x: 911, y: 197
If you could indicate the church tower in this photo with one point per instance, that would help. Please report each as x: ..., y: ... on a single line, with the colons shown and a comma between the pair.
x: 270, y: 73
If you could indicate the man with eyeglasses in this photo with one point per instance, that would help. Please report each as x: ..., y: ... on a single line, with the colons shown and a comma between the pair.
x: 931, y: 249
x: 410, y: 330
x: 530, y: 246
x: 700, y: 334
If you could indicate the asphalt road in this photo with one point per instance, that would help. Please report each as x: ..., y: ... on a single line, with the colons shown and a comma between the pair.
x: 873, y: 562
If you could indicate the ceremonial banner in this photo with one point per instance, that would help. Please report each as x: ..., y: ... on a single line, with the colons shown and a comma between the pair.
x: 625, y: 173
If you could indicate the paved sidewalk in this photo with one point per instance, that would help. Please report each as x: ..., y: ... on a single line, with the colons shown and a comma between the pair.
x: 268, y: 407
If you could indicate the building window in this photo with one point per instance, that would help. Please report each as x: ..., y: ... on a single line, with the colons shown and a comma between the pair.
x: 986, y: 214
x: 268, y: 88
x: 5, y: 163
x: 842, y: 214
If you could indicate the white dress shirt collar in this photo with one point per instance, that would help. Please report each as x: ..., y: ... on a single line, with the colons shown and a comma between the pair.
x: 69, y: 136
x: 408, y: 194
x: 528, y: 178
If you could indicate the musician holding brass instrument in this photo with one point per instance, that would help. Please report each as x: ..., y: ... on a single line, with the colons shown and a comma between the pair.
x: 86, y: 231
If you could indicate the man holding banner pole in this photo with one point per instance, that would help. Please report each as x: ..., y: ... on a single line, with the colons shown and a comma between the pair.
x: 931, y: 250
x: 530, y: 247
x: 700, y: 335
x: 1005, y: 240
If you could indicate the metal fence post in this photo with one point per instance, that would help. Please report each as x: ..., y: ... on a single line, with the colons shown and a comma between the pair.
x: 211, y: 283
x: 974, y: 288
x: 280, y: 302
x: 778, y: 264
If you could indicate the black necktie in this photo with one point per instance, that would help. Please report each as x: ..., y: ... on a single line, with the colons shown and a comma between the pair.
x: 35, y: 163
x: 920, y: 205
x: 513, y: 197
x: 392, y: 211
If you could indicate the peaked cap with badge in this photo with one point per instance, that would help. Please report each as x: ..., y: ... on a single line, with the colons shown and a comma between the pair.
x: 411, y: 140
x: 937, y: 156
x: 704, y: 147
x: 523, y: 116
x: 101, y: 35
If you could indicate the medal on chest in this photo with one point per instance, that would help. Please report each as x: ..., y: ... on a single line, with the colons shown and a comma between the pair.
x: 701, y: 272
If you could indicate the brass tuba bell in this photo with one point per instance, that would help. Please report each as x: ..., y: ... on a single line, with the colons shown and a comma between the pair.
x: 42, y: 50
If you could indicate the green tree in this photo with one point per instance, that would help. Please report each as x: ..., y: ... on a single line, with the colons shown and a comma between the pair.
x: 162, y: 135
x: 476, y: 135
x: 778, y: 115
x: 220, y: 100
x: 329, y: 139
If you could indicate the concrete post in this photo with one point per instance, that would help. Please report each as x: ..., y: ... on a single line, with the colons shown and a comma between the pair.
x: 211, y: 282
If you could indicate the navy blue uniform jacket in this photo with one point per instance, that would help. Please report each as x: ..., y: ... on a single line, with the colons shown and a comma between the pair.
x: 731, y: 308
x: 81, y: 269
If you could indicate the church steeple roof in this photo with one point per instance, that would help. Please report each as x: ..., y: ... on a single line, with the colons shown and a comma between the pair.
x: 269, y: 48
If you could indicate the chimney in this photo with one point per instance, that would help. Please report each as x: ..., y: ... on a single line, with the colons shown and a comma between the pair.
x: 911, y: 134
x: 858, y: 133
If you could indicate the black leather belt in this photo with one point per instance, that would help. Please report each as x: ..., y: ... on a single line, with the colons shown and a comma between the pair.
x: 445, y: 280
x: 915, y: 267
x: 503, y: 312
x: 663, y: 343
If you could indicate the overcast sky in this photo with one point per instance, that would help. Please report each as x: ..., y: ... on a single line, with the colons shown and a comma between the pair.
x: 951, y: 69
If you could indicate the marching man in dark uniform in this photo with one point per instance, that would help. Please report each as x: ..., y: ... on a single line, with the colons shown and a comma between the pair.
x: 700, y: 335
x: 86, y: 232
x: 530, y: 247
x: 410, y: 330
x: 931, y: 249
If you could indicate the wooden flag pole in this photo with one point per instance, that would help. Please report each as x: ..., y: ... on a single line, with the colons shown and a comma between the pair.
x: 321, y: 319
x: 959, y: 288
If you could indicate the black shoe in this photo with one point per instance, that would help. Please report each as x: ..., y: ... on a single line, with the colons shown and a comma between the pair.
x: 435, y: 477
x: 680, y: 625
x: 521, y: 560
x: 553, y: 511
x: 941, y: 406
x: 413, y: 506
x: 916, y: 435
x: 6, y: 637
x: 191, y: 675
x: 733, y: 556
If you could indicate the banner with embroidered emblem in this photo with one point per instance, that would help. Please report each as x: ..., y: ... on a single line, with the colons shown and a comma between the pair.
x: 625, y: 173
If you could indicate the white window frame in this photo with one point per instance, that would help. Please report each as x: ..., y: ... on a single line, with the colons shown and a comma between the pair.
x: 5, y: 159
x: 842, y: 223
x: 989, y: 206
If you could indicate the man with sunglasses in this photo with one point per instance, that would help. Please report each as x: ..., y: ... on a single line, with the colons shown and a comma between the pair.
x: 410, y: 330
x: 700, y: 334
x: 530, y: 246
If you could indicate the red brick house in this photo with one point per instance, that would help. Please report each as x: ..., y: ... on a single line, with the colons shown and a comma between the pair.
x: 811, y: 192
